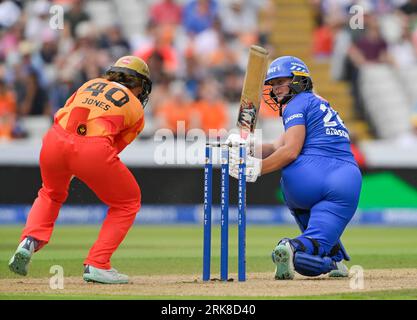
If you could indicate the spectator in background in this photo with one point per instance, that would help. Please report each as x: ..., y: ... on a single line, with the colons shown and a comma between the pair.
x: 408, y: 12
x: 113, y: 41
x: 183, y: 41
x: 322, y: 39
x: 156, y: 60
x: 336, y: 15
x: 166, y: 12
x: 163, y: 48
x: 382, y: 7
x: 85, y: 59
x: 233, y: 81
x: 267, y: 14
x: 9, y: 41
x: 335, y: 9
x: 10, y: 13
x: 175, y: 113
x: 239, y: 19
x: 194, y: 74
x: 160, y: 91
x: 63, y: 88
x: 37, y: 25
x: 198, y: 15
x: 213, y: 50
x: 206, y: 43
x: 402, y: 51
x: 48, y: 50
x: 43, y: 60
x: 369, y: 48
x: 410, y: 9
x: 145, y: 39
x: 210, y: 107
x: 75, y: 15
x: 7, y: 111
x: 36, y: 100
x: 32, y: 96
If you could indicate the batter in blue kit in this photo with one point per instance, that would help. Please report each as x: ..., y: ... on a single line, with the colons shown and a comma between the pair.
x: 321, y: 181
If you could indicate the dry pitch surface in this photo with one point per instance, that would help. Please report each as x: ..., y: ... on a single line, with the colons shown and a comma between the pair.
x: 257, y: 285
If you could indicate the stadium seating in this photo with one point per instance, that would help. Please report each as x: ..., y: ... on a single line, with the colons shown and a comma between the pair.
x: 386, y: 100
x: 102, y: 12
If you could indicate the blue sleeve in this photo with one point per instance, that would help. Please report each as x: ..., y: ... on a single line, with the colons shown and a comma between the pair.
x: 295, y: 112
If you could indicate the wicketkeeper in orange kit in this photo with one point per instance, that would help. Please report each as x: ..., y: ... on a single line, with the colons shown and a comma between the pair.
x: 97, y: 122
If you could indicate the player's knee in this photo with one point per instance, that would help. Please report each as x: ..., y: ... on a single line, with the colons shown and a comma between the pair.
x: 136, y: 205
x: 133, y: 204
x: 53, y: 195
x: 133, y: 199
x: 138, y: 199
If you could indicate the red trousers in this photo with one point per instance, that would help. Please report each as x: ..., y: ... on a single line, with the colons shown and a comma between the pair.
x: 94, y: 161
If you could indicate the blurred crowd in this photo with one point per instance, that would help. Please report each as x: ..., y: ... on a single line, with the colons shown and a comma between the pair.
x: 358, y: 33
x: 196, y: 51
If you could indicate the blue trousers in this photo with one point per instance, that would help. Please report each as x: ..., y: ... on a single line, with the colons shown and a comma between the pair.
x: 327, y: 191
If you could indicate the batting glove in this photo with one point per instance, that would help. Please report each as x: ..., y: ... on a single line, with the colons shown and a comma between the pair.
x: 234, y: 139
x: 253, y: 166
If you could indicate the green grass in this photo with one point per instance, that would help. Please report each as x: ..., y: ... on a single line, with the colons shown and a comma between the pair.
x: 150, y: 250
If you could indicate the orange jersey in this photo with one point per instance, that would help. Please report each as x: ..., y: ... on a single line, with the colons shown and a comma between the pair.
x: 103, y: 108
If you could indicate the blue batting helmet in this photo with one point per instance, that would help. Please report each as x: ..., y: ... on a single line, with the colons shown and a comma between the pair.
x: 287, y: 67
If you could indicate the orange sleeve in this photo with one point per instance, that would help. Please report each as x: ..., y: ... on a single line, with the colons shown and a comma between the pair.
x: 70, y: 99
x: 125, y: 137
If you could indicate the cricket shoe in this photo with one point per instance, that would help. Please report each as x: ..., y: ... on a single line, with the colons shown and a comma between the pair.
x: 19, y: 263
x: 110, y: 276
x: 282, y: 256
x: 341, y: 271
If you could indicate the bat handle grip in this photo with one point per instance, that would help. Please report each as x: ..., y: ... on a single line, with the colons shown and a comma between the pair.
x: 244, y: 134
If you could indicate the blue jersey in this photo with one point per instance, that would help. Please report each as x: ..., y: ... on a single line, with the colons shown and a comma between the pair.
x: 324, y: 181
x: 326, y: 134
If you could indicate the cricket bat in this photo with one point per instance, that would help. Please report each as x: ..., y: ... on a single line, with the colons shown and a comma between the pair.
x: 250, y: 100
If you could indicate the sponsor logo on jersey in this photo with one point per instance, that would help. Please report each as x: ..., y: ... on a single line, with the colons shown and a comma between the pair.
x: 82, y: 129
x: 294, y: 116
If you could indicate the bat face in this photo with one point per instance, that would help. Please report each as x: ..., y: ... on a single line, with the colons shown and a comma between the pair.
x: 252, y: 89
